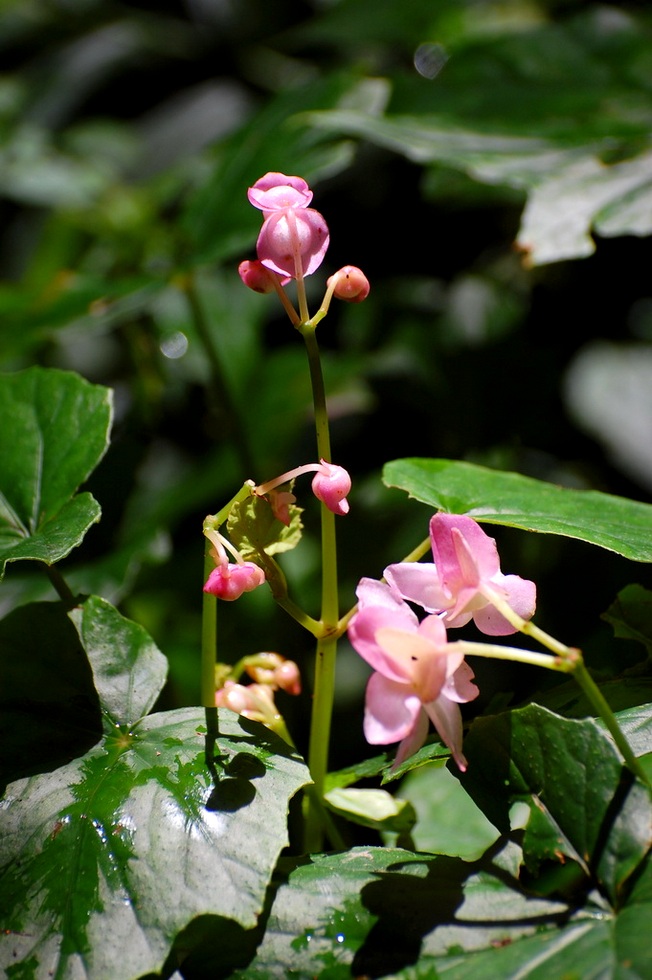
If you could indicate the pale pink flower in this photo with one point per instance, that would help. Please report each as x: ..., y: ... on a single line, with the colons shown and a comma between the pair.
x: 418, y: 677
x: 275, y: 192
x: 294, y: 238
x: 293, y: 242
x: 465, y: 580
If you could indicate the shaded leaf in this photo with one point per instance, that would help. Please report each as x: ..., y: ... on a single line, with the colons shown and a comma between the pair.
x: 387, y: 912
x: 631, y: 615
x: 496, y: 497
x: 585, y: 804
x: 49, y: 709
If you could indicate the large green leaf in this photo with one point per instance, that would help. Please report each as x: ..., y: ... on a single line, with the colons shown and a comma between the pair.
x: 106, y: 859
x: 540, y: 109
x: 389, y: 912
x: 54, y: 430
x: 496, y: 497
x: 584, y: 806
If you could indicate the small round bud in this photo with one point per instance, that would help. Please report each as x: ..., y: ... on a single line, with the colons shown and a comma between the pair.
x: 351, y: 284
x: 331, y: 485
x: 255, y: 276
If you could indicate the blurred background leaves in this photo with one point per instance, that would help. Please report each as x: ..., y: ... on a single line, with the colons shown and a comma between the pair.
x: 486, y: 164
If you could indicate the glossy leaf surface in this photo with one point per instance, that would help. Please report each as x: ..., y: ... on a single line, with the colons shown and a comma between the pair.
x: 497, y: 497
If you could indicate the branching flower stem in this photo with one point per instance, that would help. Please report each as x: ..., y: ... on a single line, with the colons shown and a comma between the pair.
x: 573, y: 663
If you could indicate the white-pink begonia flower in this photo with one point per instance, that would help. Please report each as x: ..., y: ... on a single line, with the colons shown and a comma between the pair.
x: 465, y: 580
x: 418, y: 675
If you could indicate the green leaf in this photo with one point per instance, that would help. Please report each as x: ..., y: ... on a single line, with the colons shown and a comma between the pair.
x: 631, y: 615
x: 129, y: 684
x: 496, y: 497
x: 254, y: 530
x: 388, y: 912
x: 448, y: 821
x: 54, y: 431
x: 121, y: 848
x: 585, y: 805
x: 372, y: 808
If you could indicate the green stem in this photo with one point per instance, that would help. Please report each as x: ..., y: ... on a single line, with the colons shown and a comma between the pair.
x: 599, y: 703
x: 324, y: 688
x: 574, y: 664
x: 61, y: 586
x: 499, y: 652
x: 208, y: 638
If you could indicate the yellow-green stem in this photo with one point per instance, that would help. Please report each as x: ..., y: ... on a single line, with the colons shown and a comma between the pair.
x: 324, y: 687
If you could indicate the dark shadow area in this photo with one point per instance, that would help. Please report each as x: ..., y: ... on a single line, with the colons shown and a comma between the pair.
x: 49, y: 708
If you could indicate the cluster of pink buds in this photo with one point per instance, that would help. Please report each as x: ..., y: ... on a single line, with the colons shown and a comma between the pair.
x: 292, y: 244
x: 270, y: 672
x: 331, y: 484
x: 229, y: 580
x: 419, y: 675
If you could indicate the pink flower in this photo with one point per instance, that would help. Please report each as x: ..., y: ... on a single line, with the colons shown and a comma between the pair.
x: 465, y: 580
x: 419, y: 676
x: 294, y: 237
x: 331, y: 485
x: 293, y: 242
x: 275, y: 192
x: 230, y: 579
x: 351, y: 284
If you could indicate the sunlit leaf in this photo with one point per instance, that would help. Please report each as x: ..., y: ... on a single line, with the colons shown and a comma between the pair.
x: 496, y: 497
x: 55, y: 429
x: 131, y: 841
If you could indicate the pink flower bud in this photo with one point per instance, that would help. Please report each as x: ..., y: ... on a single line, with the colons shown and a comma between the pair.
x: 293, y: 237
x: 229, y: 580
x: 331, y: 485
x: 280, y: 501
x: 275, y: 192
x: 351, y: 284
x: 254, y: 275
x: 288, y: 678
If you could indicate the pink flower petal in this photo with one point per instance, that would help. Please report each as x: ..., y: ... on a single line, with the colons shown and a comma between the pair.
x: 276, y: 191
x: 413, y: 740
x: 447, y: 719
x: 459, y: 686
x: 416, y: 659
x: 362, y: 635
x: 419, y: 582
x: 390, y: 711
x: 291, y: 238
